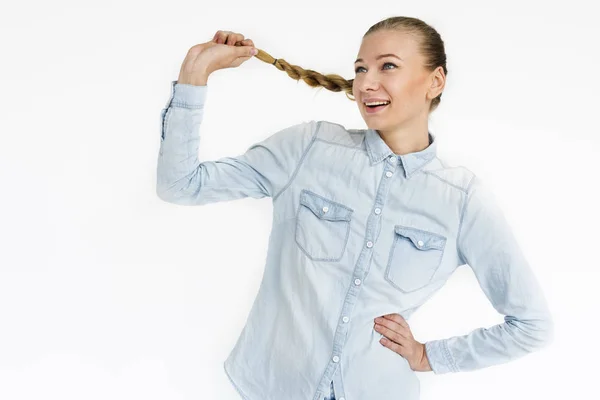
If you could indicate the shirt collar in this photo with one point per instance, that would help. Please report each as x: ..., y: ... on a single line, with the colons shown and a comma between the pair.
x: 378, y: 150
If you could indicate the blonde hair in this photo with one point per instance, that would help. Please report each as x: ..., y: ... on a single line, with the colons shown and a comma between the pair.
x: 431, y: 47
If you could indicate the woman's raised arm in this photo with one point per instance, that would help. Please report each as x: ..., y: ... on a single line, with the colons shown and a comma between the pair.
x: 263, y: 170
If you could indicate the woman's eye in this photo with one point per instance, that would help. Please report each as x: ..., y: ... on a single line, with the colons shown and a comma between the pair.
x: 356, y: 70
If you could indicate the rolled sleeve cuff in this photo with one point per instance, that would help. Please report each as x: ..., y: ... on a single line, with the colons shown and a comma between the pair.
x: 439, y: 357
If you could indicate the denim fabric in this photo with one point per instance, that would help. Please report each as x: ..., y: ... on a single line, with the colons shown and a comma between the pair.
x: 357, y: 232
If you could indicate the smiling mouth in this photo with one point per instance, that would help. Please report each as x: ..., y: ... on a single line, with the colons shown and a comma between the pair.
x: 374, y: 109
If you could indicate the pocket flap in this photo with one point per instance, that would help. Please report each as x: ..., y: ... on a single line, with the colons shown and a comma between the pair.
x: 325, y: 208
x: 421, y: 239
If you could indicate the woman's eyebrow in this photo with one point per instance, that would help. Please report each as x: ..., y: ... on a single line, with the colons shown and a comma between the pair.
x: 380, y: 56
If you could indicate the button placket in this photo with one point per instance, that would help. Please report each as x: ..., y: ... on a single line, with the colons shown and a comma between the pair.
x: 360, y: 269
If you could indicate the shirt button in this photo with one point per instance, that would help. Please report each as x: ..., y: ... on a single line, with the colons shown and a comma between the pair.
x: 336, y: 359
x: 392, y: 158
x: 378, y: 211
x: 388, y: 174
x: 341, y: 398
x: 345, y: 319
x: 325, y: 209
x: 369, y: 244
x: 420, y: 243
x: 357, y: 282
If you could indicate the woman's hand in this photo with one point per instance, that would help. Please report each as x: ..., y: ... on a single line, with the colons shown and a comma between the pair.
x: 225, y: 50
x: 399, y: 338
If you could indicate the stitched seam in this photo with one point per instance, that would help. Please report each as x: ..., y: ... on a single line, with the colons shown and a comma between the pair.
x: 314, y: 137
x: 422, y: 231
x: 342, y: 145
x: 445, y: 181
x: 449, y: 357
x: 237, y: 388
x: 166, y: 113
x: 241, y: 188
x: 334, y: 203
x: 181, y: 104
x: 462, y: 215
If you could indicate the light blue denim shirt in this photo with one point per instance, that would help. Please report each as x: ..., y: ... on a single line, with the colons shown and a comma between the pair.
x: 358, y: 232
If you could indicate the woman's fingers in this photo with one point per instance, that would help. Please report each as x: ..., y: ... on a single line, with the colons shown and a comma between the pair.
x: 390, y: 344
x: 245, y: 42
x: 399, y: 338
x: 227, y: 37
x: 391, y: 330
x: 395, y: 323
x: 399, y: 319
x: 232, y: 39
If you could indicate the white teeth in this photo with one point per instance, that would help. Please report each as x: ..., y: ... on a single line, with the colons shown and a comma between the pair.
x: 376, y: 103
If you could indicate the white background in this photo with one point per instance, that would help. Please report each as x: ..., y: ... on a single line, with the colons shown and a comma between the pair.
x: 107, y: 292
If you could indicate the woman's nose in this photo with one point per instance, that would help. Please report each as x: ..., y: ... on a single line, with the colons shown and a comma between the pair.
x: 367, y: 84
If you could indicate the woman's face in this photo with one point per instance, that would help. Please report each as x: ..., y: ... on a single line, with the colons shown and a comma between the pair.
x: 404, y: 82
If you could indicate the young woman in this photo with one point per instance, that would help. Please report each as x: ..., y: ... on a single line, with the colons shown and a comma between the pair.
x: 367, y: 225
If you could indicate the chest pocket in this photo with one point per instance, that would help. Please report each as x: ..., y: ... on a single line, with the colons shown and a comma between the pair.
x: 414, y: 258
x: 322, y: 227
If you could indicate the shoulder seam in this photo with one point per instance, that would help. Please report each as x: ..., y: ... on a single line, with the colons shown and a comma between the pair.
x: 314, y: 137
x: 443, y: 180
x: 432, y: 173
x: 462, y: 214
x: 441, y: 162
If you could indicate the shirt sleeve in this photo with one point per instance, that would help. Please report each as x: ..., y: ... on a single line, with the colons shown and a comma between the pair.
x: 264, y: 169
x: 486, y: 243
